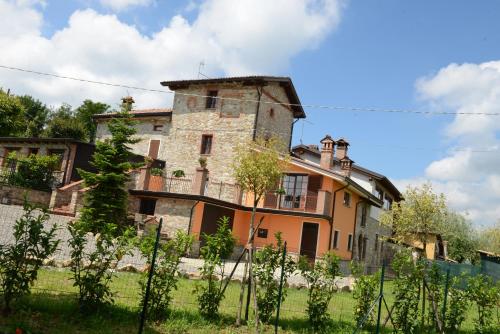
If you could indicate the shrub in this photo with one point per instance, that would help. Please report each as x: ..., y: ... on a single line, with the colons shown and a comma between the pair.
x: 320, y: 279
x: 157, y: 171
x: 178, y: 173
x: 458, y: 303
x: 406, y: 291
x: 267, y: 266
x: 91, y: 267
x: 20, y: 261
x: 365, y: 293
x: 166, y: 272
x: 218, y: 247
x: 33, y: 172
x: 485, y: 295
x: 435, y: 283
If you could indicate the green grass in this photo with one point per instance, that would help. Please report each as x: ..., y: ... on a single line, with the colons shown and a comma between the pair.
x: 52, y: 308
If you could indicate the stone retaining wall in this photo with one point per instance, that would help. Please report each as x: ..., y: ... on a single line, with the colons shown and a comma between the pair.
x: 15, y: 195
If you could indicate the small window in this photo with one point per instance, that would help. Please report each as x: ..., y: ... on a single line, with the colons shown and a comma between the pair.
x: 364, y: 213
x: 347, y: 199
x: 376, y: 242
x: 147, y: 206
x: 158, y: 127
x: 271, y: 113
x: 349, y: 242
x: 60, y: 156
x: 336, y: 239
x: 262, y: 233
x: 211, y: 99
x: 206, y: 144
x: 387, y: 202
x: 379, y: 193
x: 363, y: 255
x: 33, y: 150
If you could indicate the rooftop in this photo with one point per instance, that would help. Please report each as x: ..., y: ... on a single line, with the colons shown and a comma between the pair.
x: 158, y: 112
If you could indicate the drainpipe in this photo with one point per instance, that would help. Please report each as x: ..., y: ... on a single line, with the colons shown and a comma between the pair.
x: 333, y: 215
x: 259, y: 93
x: 191, y: 216
x: 67, y: 162
x: 291, y: 134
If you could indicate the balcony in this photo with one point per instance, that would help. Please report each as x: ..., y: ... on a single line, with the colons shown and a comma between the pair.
x: 307, y: 202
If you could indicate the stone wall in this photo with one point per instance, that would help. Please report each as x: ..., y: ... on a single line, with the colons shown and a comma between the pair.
x: 15, y: 196
x: 175, y: 213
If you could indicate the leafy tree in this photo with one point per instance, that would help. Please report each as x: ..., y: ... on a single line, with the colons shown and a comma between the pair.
x: 20, y: 261
x: 35, y: 115
x: 258, y: 167
x: 486, y: 296
x: 267, y: 266
x: 461, y: 237
x: 218, y: 247
x: 458, y: 304
x: 166, y: 271
x: 63, y: 124
x: 11, y: 115
x: 34, y: 171
x: 420, y: 215
x: 105, y: 208
x: 365, y: 293
x: 84, y: 114
x: 489, y: 238
x: 320, y: 279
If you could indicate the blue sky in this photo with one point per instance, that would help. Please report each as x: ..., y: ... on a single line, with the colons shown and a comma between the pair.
x: 385, y: 54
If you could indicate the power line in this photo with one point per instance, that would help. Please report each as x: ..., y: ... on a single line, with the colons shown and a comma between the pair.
x: 310, y: 106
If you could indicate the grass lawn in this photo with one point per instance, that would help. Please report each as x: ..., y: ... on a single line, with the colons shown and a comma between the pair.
x: 52, y: 308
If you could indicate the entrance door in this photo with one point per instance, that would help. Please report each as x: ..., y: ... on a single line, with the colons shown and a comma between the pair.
x: 211, y: 216
x: 309, y: 240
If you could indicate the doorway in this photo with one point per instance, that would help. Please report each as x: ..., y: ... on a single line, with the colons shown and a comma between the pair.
x: 309, y: 241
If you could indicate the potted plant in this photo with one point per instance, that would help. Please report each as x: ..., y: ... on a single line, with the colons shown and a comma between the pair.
x: 203, y: 162
x: 178, y: 173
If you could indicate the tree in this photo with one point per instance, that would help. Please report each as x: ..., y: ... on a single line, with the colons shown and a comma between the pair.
x: 34, y: 171
x: 11, y: 115
x: 64, y: 124
x: 35, y: 115
x: 84, y: 114
x: 461, y: 237
x: 258, y: 167
x: 489, y: 238
x: 420, y: 215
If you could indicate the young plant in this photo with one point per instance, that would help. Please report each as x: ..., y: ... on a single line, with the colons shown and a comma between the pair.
x: 407, y: 287
x: 458, y: 303
x: 320, y: 279
x: 156, y: 171
x: 20, y: 261
x: 365, y: 293
x: 178, y: 173
x: 218, y: 247
x: 166, y: 272
x: 435, y: 283
x: 91, y: 266
x: 484, y: 294
x: 267, y: 270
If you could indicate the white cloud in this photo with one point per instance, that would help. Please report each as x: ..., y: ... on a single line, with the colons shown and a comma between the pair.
x: 120, y: 5
x: 470, y: 179
x: 232, y: 37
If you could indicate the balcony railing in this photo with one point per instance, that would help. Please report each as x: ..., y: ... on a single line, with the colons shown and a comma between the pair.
x: 171, y: 184
x: 221, y: 190
x: 305, y: 202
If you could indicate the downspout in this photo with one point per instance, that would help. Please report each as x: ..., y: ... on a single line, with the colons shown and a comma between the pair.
x: 191, y: 216
x: 67, y: 162
x: 291, y: 135
x: 333, y: 215
x: 259, y: 93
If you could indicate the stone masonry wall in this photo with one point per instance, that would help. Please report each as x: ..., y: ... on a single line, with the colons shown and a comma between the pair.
x: 175, y: 213
x: 15, y: 196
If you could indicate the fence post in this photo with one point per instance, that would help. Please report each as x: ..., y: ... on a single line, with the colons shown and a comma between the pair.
x: 381, y: 296
x: 150, y: 277
x: 280, y: 291
x: 446, y: 286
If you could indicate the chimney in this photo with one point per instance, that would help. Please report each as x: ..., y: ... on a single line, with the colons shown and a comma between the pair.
x: 327, y: 152
x: 346, y: 166
x: 342, y: 146
x: 127, y: 103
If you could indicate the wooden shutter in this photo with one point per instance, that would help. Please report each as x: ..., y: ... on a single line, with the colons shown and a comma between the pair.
x: 154, y: 147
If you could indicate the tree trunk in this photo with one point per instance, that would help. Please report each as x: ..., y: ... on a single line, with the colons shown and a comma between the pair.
x: 242, y: 291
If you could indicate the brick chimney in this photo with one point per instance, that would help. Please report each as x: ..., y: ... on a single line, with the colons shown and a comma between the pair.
x: 342, y: 146
x: 327, y: 152
x: 346, y: 166
x: 127, y: 102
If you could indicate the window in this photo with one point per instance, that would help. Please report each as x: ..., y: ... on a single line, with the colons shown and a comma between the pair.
x: 349, y: 242
x: 154, y: 148
x: 347, y: 199
x: 271, y: 113
x: 33, y: 150
x: 376, y: 242
x: 60, y: 155
x: 364, y: 213
x: 7, y: 151
x: 336, y: 239
x: 295, y: 187
x: 211, y: 99
x: 206, y: 144
x: 158, y: 127
x: 262, y: 233
x: 387, y: 202
x: 147, y: 206
x: 365, y: 241
x: 379, y: 193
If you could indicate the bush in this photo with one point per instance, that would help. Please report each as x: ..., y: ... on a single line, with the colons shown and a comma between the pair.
x: 458, y: 303
x: 435, y: 283
x: 485, y: 295
x: 320, y: 279
x: 92, y: 268
x: 20, y: 261
x: 267, y: 266
x: 166, y: 272
x: 406, y: 291
x: 365, y: 293
x: 217, y: 249
x: 33, y: 172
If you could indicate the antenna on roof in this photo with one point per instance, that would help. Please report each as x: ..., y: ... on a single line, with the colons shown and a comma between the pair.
x: 200, y: 73
x: 302, y: 130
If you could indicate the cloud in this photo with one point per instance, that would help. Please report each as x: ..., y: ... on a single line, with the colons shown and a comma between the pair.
x: 231, y: 37
x: 120, y: 5
x: 470, y: 179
